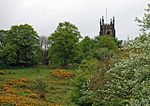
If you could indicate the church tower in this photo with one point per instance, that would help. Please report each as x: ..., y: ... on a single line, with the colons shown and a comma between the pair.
x: 107, y: 29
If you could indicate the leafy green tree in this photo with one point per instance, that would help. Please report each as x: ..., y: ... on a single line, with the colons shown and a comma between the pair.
x: 104, y: 47
x: 64, y: 45
x: 103, y: 54
x: 107, y: 42
x: 21, y: 46
x: 87, y: 46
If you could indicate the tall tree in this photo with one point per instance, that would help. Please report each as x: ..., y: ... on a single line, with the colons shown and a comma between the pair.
x: 64, y: 45
x: 21, y: 46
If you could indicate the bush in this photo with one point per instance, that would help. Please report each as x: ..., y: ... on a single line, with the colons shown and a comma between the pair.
x: 86, y: 70
x: 103, y: 54
x: 59, y: 73
x: 79, y: 82
x: 127, y: 83
x: 90, y: 65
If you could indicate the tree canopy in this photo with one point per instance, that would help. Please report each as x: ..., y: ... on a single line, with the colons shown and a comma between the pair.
x: 64, y: 45
x: 21, y: 46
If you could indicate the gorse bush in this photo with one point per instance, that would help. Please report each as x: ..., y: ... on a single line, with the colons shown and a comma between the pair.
x: 59, y: 73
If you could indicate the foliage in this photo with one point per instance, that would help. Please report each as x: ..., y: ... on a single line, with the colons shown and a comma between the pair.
x: 86, y: 70
x: 87, y: 46
x: 132, y: 76
x: 128, y: 82
x: 80, y: 80
x: 144, y: 23
x: 90, y: 76
x: 2, y: 35
x: 59, y: 73
x: 107, y: 42
x: 103, y: 54
x: 64, y: 45
x: 101, y: 48
x: 2, y: 42
x: 21, y: 46
x: 93, y: 69
x: 89, y: 65
x: 119, y: 43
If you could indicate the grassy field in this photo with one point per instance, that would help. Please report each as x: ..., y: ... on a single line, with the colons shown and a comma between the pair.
x: 16, y: 84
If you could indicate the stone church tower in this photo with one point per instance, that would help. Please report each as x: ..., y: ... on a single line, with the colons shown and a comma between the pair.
x: 107, y: 29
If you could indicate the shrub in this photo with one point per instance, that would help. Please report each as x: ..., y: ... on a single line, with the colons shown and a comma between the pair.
x: 128, y: 81
x: 86, y: 70
x: 90, y: 65
x: 59, y: 73
x: 103, y: 54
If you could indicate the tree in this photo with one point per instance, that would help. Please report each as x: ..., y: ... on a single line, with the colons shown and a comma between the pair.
x: 103, y: 54
x: 64, y: 45
x: 2, y: 42
x: 87, y: 46
x: 2, y: 35
x: 21, y: 46
x: 107, y: 42
x: 144, y: 23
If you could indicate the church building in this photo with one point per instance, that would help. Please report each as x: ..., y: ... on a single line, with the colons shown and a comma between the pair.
x: 107, y: 29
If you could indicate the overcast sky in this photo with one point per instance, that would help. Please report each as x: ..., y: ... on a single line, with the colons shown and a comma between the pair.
x: 44, y: 15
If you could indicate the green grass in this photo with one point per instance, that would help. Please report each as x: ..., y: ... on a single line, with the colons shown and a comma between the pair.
x: 58, y: 91
x: 31, y: 73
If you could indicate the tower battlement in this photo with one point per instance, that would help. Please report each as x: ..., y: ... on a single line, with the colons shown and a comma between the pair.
x: 107, y: 29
